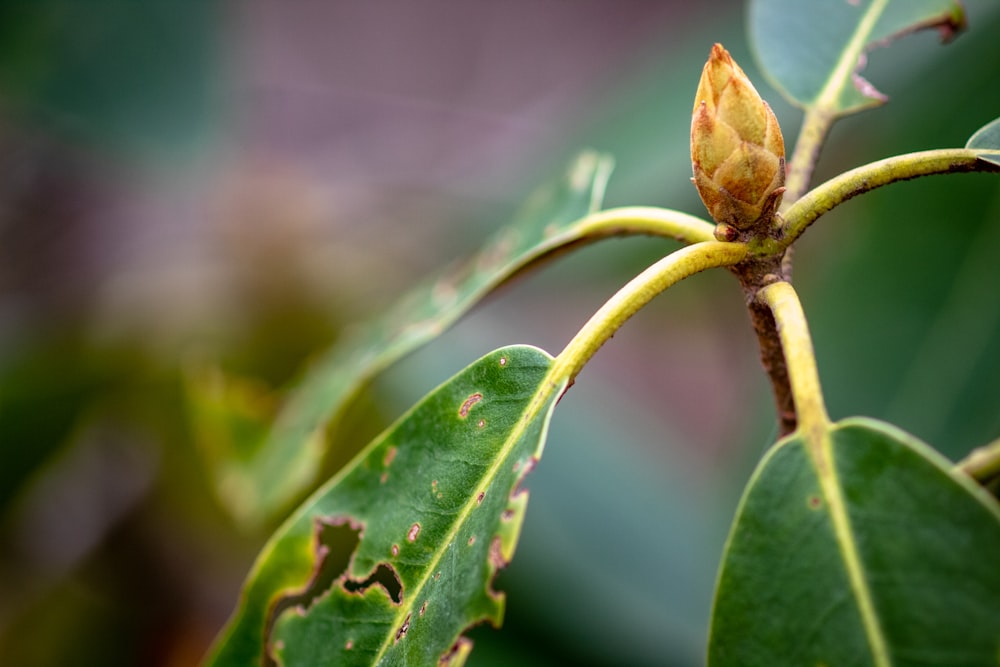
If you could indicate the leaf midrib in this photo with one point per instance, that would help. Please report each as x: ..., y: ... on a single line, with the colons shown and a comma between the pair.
x: 827, y: 98
x: 549, y: 385
x: 820, y: 447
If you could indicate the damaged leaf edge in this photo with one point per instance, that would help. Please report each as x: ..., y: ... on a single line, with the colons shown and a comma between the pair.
x: 539, y: 406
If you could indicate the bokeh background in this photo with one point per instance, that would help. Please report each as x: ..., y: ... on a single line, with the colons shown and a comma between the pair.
x: 227, y: 185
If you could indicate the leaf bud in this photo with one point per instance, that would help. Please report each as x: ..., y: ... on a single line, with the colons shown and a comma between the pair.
x: 737, y: 151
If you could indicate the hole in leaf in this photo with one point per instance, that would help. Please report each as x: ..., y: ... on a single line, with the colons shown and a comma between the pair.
x: 335, y: 542
x: 385, y: 577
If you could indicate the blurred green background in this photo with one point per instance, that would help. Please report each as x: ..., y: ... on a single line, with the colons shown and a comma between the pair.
x: 226, y: 186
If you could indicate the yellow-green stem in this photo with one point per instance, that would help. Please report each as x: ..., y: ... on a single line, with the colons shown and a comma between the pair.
x: 650, y: 220
x: 815, y: 126
x: 637, y: 293
x: 814, y: 428
x: 800, y: 360
x: 839, y: 189
x: 983, y: 463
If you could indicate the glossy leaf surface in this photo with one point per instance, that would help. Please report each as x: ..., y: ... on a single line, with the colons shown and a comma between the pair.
x: 987, y: 139
x: 875, y: 553
x: 814, y: 52
x: 437, y: 505
x: 255, y: 485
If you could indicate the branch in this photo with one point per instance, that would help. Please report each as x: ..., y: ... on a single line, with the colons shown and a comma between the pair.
x: 857, y: 181
x: 650, y: 220
x: 815, y: 126
x: 983, y: 463
x: 798, y: 359
x: 637, y: 293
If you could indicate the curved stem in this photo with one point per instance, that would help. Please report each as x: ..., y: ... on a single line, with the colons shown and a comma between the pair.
x: 837, y: 190
x: 637, y: 293
x: 800, y: 360
x: 815, y: 126
x: 650, y: 220
x: 983, y: 463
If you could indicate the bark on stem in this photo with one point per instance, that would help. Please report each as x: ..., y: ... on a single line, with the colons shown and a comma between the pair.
x: 772, y: 357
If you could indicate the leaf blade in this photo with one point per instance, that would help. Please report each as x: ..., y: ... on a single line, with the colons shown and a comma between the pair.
x: 286, y: 462
x: 784, y: 574
x: 438, y: 503
x: 814, y: 52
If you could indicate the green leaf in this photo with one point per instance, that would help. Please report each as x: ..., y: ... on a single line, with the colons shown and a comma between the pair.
x: 813, y: 52
x: 869, y: 552
x: 288, y: 458
x: 437, y: 504
x: 987, y: 140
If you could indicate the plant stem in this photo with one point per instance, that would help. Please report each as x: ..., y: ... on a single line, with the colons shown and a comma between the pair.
x: 809, y: 207
x: 637, y: 293
x: 798, y: 357
x: 772, y: 358
x: 650, y: 220
x: 806, y: 210
x: 983, y: 463
x: 815, y: 126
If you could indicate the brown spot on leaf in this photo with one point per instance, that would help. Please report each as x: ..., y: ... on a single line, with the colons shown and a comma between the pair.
x: 499, y: 253
x: 423, y: 608
x: 479, y: 498
x: 529, y: 465
x: 349, y: 645
x: 445, y: 292
x: 390, y: 455
x: 472, y: 540
x: 463, y: 411
x: 815, y: 502
x: 404, y: 628
x: 413, y: 532
x: 496, y: 553
x: 395, y: 550
x: 458, y: 649
x: 482, y: 423
x: 503, y: 361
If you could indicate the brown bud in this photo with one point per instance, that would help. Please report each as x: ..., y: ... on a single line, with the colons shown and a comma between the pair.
x: 737, y: 151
